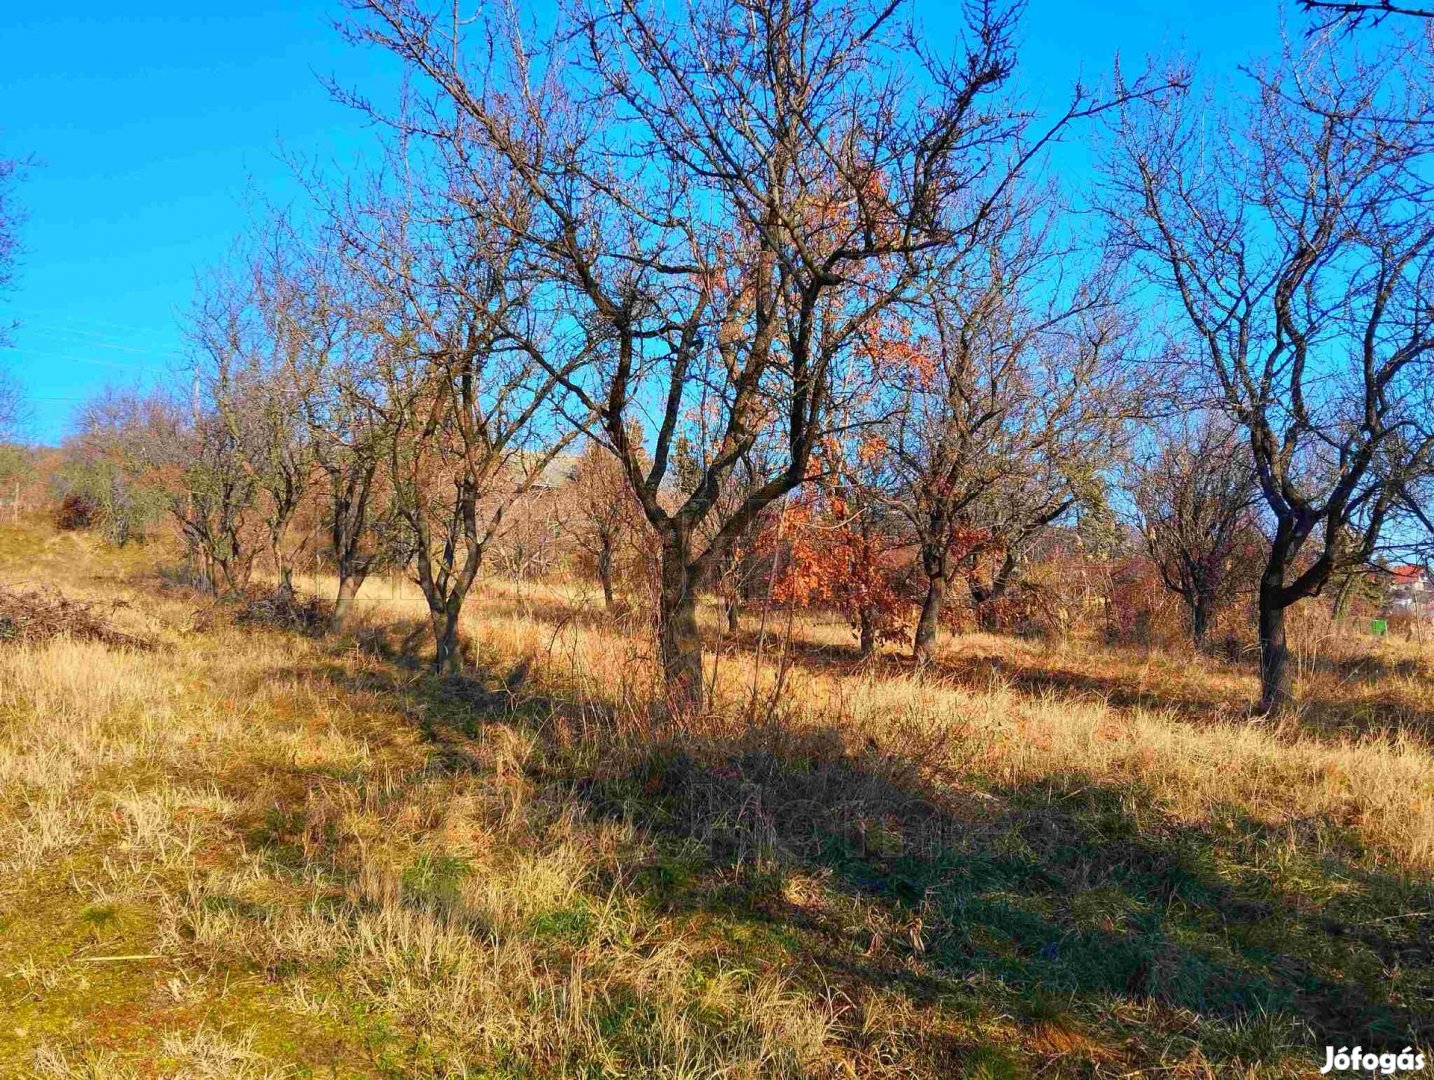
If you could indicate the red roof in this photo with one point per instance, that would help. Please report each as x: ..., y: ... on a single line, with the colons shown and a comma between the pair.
x: 1406, y: 575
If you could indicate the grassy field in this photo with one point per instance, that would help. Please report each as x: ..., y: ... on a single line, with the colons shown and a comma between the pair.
x: 251, y: 852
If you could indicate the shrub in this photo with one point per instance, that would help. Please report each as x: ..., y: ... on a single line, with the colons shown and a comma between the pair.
x: 282, y: 611
x: 76, y: 511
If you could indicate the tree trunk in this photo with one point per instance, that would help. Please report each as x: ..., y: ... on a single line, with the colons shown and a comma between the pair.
x: 867, y: 627
x: 604, y: 569
x: 984, y: 597
x: 733, y: 607
x: 447, y: 660
x: 238, y: 571
x: 285, y: 589
x: 679, y: 644
x: 350, y: 581
x: 205, y: 579
x: 926, y: 627
x: 231, y: 570
x: 1199, y: 621
x: 1276, y: 679
x: 347, y: 527
x: 1342, y: 598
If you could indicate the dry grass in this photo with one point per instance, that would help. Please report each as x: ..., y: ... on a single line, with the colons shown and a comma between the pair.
x: 249, y: 852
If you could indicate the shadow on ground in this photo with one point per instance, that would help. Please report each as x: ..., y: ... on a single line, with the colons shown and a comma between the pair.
x: 1065, y: 888
x: 1366, y: 703
x: 1073, y: 908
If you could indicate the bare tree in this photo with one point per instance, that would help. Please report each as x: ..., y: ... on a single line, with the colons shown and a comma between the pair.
x: 1295, y: 237
x: 12, y: 405
x: 184, y: 453
x: 466, y: 372
x: 214, y: 501
x: 12, y: 402
x: 101, y: 465
x: 1016, y: 398
x: 336, y: 379
x: 1010, y: 521
x: 726, y: 197
x: 350, y: 445
x: 603, y: 518
x: 254, y: 328
x: 10, y: 221
x: 530, y: 543
x: 1352, y: 14
x: 1194, y: 499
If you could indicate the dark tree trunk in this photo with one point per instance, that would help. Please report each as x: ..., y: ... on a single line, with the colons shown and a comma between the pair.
x: 1276, y: 679
x: 1342, y: 598
x: 277, y: 530
x: 235, y: 570
x: 445, y: 593
x: 929, y: 623
x: 733, y: 608
x: 604, y: 569
x: 201, y: 566
x: 984, y: 596
x: 679, y: 643
x: 347, y: 528
x: 867, y: 627
x: 1200, y: 621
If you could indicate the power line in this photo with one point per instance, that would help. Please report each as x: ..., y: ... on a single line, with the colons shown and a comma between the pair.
x: 102, y: 342
x: 77, y: 359
x: 94, y: 322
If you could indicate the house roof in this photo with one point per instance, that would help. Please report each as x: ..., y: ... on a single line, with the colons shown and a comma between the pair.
x: 560, y: 470
x: 1407, y: 574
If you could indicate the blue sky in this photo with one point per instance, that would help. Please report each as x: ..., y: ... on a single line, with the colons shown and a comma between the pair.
x: 154, y: 125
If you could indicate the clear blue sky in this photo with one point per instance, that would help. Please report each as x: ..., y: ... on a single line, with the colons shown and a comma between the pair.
x: 151, y: 124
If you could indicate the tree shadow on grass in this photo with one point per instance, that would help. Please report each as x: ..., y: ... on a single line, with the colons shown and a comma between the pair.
x: 1068, y: 887
x: 978, y: 672
x: 1072, y: 903
x: 1112, y: 687
x: 1373, y: 711
x: 1365, y: 706
x: 556, y: 611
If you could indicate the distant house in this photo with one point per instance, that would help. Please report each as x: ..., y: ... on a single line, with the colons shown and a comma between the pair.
x: 561, y: 470
x: 1409, y: 590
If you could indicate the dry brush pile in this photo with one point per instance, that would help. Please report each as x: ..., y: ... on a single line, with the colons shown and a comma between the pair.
x: 32, y: 617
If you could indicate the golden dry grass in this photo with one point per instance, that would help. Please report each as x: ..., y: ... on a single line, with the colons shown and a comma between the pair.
x: 251, y: 853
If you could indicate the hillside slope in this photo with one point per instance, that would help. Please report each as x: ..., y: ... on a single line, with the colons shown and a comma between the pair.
x: 243, y: 851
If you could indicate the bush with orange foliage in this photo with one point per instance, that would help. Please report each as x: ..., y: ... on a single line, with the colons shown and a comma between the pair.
x: 837, y: 557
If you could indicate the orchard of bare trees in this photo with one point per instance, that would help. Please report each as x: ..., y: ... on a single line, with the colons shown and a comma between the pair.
x: 786, y: 303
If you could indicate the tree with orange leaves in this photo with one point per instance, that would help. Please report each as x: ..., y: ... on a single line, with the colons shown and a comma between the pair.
x: 840, y: 554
